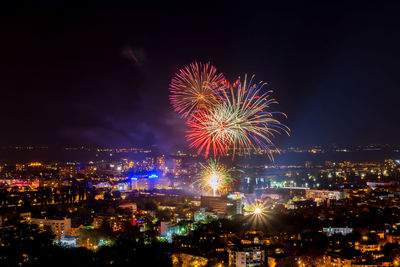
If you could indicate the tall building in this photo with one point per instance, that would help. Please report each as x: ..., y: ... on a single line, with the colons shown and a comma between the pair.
x: 131, y: 206
x: 246, y: 256
x: 149, y: 163
x: 222, y: 205
x: 59, y: 227
x: 161, y: 162
x: 115, y: 220
x: 176, y: 164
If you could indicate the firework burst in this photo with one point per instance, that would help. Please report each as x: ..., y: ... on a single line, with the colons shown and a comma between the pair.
x: 241, y: 121
x: 191, y: 88
x: 214, y: 177
x: 256, y: 209
x: 257, y: 214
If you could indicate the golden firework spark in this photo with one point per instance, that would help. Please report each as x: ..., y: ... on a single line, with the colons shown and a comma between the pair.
x: 214, y: 177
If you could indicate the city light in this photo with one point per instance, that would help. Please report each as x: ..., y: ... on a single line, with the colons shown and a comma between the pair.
x: 153, y: 176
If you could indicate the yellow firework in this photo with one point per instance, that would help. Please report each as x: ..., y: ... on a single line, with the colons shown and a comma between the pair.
x: 257, y: 214
x: 214, y: 177
x: 191, y: 88
x: 256, y: 209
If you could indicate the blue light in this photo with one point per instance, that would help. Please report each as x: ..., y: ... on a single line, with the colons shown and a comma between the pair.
x: 153, y: 176
x: 133, y: 178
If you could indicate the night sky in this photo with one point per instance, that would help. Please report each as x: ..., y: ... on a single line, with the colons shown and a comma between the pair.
x: 100, y: 76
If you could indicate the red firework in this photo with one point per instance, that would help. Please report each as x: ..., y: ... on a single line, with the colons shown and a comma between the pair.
x: 208, y: 134
x: 241, y: 121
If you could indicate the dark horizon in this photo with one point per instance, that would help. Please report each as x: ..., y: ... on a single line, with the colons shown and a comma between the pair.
x: 100, y: 77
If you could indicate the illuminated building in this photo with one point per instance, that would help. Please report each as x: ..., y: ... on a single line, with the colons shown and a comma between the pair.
x: 144, y: 180
x: 393, y: 238
x: 184, y: 259
x: 124, y: 186
x: 375, y: 184
x: 168, y: 229
x: 161, y: 162
x: 301, y: 204
x: 236, y: 202
x: 202, y: 215
x: 21, y: 182
x: 149, y: 163
x: 320, y: 196
x: 367, y: 246
x: 50, y: 192
x: 59, y: 227
x: 161, y: 183
x: 88, y: 170
x: 176, y: 165
x: 222, y: 205
x: 131, y: 206
x: 144, y: 184
x: 20, y: 167
x: 35, y: 164
x: 338, y: 260
x: 68, y: 241
x: 103, y: 185
x: 163, y: 228
x: 116, y: 221
x: 337, y: 230
x: 68, y: 171
x: 246, y: 256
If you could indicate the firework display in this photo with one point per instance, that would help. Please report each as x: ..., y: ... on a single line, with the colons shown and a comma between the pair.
x: 224, y: 118
x: 191, y: 88
x: 257, y: 214
x: 256, y: 209
x: 241, y: 121
x: 214, y: 177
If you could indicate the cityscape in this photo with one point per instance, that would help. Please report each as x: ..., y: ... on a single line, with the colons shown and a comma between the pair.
x: 317, y: 213
x: 131, y: 137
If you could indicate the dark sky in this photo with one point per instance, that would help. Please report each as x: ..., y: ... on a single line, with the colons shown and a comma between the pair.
x: 100, y: 76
